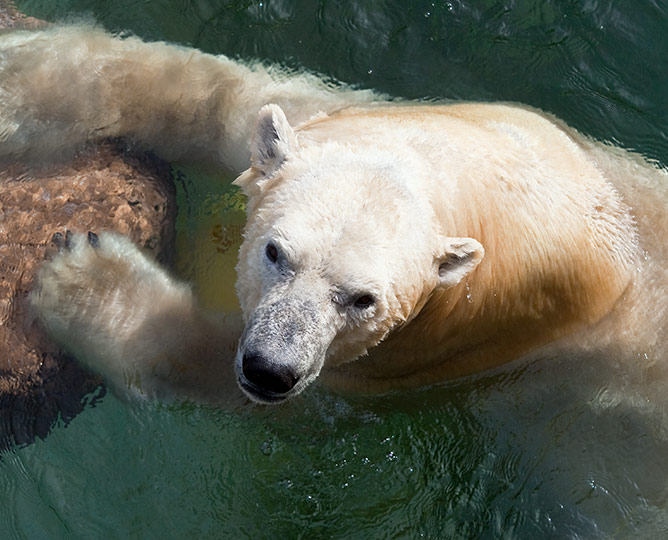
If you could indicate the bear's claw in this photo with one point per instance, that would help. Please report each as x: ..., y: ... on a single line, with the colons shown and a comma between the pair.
x: 57, y: 240
x: 66, y: 242
x: 62, y: 242
x: 93, y: 240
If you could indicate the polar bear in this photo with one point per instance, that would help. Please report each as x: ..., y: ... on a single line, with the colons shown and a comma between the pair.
x: 387, y: 244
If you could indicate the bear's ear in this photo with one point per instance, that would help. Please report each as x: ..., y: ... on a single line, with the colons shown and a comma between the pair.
x: 459, y: 256
x: 272, y: 141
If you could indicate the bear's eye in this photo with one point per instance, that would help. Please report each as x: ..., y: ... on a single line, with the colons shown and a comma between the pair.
x: 271, y: 251
x: 364, y: 301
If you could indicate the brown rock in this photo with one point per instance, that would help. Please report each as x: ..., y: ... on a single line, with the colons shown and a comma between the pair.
x: 10, y: 17
x: 105, y: 189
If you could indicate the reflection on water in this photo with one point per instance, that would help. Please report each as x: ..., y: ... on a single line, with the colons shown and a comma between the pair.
x: 560, y: 448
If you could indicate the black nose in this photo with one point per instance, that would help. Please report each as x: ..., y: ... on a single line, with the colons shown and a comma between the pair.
x: 266, y: 375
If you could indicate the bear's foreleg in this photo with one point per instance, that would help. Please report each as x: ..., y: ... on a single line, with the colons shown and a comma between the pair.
x: 65, y: 86
x: 124, y: 317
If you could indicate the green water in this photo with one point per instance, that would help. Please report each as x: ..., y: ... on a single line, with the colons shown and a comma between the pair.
x: 561, y: 448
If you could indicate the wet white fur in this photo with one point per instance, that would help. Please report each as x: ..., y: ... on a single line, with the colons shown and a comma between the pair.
x: 547, y: 230
x: 68, y: 85
x: 121, y: 314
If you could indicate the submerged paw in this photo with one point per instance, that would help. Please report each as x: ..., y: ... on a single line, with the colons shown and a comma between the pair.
x: 87, y: 272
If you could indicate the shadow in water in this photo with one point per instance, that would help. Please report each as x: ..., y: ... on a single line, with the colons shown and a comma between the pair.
x: 30, y: 411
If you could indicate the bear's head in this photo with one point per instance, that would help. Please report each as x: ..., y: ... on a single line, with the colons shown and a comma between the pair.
x: 340, y: 249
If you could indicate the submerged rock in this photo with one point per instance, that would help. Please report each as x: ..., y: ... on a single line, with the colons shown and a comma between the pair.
x: 107, y: 188
x: 10, y: 17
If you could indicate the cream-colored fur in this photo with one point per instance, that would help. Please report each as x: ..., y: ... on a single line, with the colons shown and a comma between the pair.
x: 387, y: 245
x: 561, y: 249
x: 69, y: 85
x: 127, y: 319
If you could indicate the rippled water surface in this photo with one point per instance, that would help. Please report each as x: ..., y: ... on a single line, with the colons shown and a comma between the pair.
x: 519, y: 453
